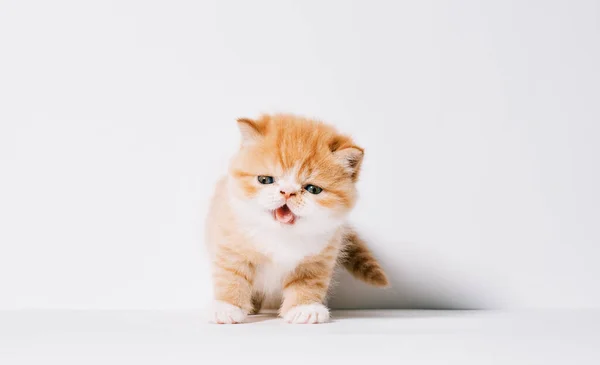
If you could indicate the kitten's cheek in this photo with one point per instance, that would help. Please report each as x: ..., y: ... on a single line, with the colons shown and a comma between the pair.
x: 327, y: 203
x: 246, y: 189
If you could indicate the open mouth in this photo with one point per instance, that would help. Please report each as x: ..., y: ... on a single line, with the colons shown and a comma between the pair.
x: 284, y: 215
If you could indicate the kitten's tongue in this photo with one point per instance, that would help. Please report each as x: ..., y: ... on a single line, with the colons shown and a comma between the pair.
x: 284, y: 215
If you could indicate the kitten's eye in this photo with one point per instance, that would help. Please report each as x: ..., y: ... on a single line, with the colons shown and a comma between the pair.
x: 265, y: 179
x: 313, y: 189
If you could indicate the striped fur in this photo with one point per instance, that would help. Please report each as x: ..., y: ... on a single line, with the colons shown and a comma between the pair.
x: 360, y: 262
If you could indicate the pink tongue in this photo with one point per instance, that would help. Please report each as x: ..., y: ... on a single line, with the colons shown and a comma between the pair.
x: 284, y: 215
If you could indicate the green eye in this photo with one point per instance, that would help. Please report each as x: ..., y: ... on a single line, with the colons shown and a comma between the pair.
x: 313, y: 189
x: 265, y: 179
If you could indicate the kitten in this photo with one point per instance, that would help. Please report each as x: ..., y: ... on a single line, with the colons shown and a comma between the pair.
x: 277, y: 222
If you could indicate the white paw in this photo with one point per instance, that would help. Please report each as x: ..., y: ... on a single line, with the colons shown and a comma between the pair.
x: 225, y: 313
x: 307, y: 313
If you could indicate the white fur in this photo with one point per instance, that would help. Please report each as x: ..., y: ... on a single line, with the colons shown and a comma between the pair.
x: 307, y: 314
x: 288, y: 183
x: 225, y: 313
x: 269, y: 279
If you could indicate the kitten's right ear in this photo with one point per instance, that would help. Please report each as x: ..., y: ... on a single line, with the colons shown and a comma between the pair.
x: 250, y: 130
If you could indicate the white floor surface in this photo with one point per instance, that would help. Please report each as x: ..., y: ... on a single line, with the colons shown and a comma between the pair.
x: 381, y: 337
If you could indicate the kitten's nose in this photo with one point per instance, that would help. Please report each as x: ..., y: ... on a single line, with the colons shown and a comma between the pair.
x: 287, y: 194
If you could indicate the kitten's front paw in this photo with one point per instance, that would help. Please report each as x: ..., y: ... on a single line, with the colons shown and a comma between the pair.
x: 307, y: 313
x: 225, y: 313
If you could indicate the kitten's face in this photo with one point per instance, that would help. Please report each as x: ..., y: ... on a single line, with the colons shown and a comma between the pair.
x: 294, y: 172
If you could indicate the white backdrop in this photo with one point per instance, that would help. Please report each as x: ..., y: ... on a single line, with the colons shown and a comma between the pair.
x: 480, y: 123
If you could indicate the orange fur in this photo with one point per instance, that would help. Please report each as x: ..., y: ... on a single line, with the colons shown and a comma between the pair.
x: 254, y: 256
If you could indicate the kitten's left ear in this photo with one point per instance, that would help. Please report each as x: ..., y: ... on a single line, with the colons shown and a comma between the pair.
x: 250, y: 129
x: 351, y: 159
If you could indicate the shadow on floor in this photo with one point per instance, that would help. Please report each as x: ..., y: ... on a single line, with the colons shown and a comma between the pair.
x: 419, y: 280
x: 405, y: 314
x: 262, y: 317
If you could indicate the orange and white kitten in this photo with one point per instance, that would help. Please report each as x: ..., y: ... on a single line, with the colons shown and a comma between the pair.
x: 277, y: 222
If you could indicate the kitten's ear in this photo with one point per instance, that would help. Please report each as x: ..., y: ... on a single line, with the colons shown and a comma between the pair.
x: 250, y: 130
x: 351, y: 159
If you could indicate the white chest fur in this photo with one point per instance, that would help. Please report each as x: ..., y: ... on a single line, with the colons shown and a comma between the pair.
x: 285, y: 249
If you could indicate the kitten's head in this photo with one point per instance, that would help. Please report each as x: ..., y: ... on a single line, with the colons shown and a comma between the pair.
x: 294, y: 172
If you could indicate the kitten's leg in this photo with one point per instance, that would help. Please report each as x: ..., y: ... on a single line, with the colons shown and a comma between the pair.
x: 305, y: 291
x: 232, y: 283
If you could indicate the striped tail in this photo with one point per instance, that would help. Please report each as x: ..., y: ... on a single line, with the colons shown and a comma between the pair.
x: 360, y: 262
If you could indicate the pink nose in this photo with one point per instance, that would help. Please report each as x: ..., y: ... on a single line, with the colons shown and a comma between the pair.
x: 287, y: 194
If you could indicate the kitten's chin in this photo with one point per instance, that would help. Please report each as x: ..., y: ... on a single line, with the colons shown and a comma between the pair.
x: 284, y: 215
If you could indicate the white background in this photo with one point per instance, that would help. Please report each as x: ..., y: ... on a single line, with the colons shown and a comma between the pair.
x: 480, y: 122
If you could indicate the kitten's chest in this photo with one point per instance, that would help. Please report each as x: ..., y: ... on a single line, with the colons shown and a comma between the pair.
x: 286, y: 249
x: 284, y: 252
x: 269, y: 278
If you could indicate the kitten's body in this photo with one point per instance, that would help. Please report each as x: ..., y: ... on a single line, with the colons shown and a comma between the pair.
x: 276, y: 252
x: 275, y: 244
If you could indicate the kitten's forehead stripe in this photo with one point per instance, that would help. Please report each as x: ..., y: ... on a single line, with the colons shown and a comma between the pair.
x: 280, y: 150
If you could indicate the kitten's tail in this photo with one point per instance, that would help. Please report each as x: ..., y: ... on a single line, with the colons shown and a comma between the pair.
x: 360, y: 262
